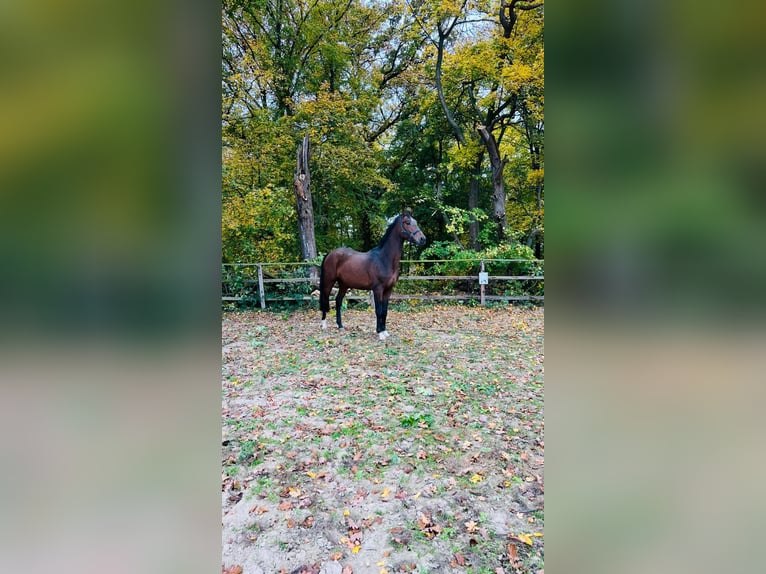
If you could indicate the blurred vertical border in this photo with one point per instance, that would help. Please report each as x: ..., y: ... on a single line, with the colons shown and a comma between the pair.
x: 110, y: 291
x: 656, y: 229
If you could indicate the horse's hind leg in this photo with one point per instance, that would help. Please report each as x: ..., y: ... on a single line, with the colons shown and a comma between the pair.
x: 325, y: 287
x: 338, y: 302
x: 324, y: 304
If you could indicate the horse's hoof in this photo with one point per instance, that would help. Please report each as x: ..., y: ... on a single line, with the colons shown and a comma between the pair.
x: 324, y: 325
x: 383, y: 335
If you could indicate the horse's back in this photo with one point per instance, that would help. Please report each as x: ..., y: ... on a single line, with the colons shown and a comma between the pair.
x: 349, y: 266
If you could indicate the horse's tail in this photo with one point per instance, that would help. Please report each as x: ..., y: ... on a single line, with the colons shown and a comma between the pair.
x: 324, y: 298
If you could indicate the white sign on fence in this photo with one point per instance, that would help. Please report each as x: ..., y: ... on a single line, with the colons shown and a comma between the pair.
x: 483, y: 278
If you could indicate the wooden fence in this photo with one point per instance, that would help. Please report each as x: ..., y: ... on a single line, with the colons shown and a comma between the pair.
x: 263, y: 279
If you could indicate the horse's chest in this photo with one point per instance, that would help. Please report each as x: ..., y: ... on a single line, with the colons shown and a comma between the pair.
x: 392, y: 279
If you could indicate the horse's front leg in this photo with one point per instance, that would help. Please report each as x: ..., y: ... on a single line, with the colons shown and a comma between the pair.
x: 338, y: 302
x: 384, y: 314
x: 380, y: 326
x: 381, y: 307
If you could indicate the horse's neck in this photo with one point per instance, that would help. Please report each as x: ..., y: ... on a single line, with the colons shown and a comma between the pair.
x: 392, y: 251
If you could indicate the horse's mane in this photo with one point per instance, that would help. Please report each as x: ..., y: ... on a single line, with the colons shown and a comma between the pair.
x: 389, y: 230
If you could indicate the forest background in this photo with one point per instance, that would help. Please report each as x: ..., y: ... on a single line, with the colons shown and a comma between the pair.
x: 436, y: 105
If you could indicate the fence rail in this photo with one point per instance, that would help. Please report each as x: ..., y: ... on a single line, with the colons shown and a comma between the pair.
x: 482, y: 278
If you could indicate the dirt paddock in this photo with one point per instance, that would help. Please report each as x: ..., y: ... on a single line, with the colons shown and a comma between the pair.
x: 345, y: 454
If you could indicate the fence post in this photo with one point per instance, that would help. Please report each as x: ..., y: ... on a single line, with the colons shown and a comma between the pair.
x: 260, y: 287
x: 481, y: 283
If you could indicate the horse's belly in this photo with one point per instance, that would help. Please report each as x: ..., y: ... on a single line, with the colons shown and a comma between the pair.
x: 354, y: 273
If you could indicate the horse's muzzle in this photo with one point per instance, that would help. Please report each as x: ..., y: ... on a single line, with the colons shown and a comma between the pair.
x: 417, y: 237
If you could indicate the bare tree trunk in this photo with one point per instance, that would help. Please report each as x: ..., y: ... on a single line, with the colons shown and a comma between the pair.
x: 498, y: 195
x: 473, y: 203
x: 304, y: 207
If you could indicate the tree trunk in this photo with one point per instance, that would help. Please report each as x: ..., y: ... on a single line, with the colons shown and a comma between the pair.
x: 498, y: 187
x: 305, y: 209
x: 473, y: 203
x: 440, y: 89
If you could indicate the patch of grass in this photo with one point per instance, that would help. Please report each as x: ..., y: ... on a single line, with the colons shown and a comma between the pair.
x: 247, y: 450
x: 394, y: 389
x: 262, y: 483
x: 417, y: 420
x: 448, y: 533
x: 349, y: 430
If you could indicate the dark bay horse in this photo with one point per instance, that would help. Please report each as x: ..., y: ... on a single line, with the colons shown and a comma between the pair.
x: 376, y: 270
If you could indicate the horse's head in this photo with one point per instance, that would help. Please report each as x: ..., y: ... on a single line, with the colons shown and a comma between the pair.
x: 411, y: 231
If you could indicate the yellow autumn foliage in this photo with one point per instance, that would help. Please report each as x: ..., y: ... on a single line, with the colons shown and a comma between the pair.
x: 259, y: 226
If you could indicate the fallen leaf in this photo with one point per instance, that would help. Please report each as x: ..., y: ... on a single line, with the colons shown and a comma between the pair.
x: 308, y: 522
x: 427, y: 525
x: 337, y: 556
x: 471, y: 526
x: 513, y: 557
x: 513, y: 552
x: 347, y: 569
x: 285, y: 505
x: 232, y: 570
x: 476, y: 479
x: 522, y: 538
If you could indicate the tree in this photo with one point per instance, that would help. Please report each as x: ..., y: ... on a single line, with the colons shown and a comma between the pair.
x: 489, y: 92
x: 304, y: 208
x: 436, y: 104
